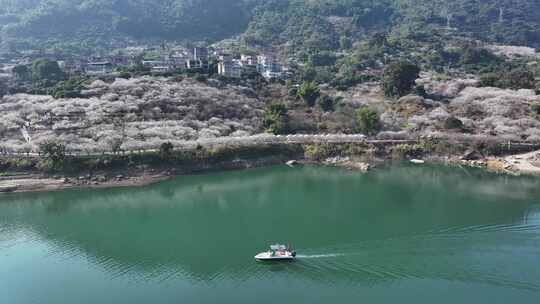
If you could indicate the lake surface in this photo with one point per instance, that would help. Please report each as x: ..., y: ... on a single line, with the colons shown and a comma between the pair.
x: 404, y: 234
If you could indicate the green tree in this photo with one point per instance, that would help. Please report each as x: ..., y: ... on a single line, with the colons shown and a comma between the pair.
x: 515, y: 79
x: 489, y: 80
x: 367, y: 120
x: 322, y: 59
x: 345, y: 43
x: 399, y: 78
x: 453, y: 123
x: 70, y: 88
x: 520, y: 79
x: 166, y: 150
x: 276, y: 119
x: 326, y: 103
x: 22, y: 72
x: 47, y: 70
x: 53, y: 155
x: 472, y: 55
x: 309, y: 73
x: 309, y: 92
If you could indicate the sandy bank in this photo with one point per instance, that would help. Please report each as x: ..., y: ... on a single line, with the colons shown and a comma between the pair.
x: 527, y: 163
x: 33, y: 183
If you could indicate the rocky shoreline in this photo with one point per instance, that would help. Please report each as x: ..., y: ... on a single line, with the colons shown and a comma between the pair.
x: 527, y: 163
x: 43, y: 183
x: 33, y: 182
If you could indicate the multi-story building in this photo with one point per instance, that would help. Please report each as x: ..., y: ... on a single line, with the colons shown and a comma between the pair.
x: 200, y: 54
x: 158, y: 66
x: 228, y: 67
x: 248, y: 59
x: 177, y: 61
x: 120, y: 60
x: 98, y: 68
x: 269, y: 66
x: 197, y: 64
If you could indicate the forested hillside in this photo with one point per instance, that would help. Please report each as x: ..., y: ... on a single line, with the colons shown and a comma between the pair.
x: 95, y: 22
x: 315, y: 24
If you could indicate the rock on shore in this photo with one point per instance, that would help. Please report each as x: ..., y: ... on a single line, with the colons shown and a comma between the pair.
x: 348, y: 163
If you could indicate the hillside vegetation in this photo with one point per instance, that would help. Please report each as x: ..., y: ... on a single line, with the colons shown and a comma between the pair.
x: 129, y: 114
x: 318, y: 24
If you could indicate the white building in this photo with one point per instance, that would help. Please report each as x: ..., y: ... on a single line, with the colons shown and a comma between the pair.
x: 269, y: 66
x: 157, y: 66
x: 98, y: 68
x: 228, y: 67
x: 248, y: 59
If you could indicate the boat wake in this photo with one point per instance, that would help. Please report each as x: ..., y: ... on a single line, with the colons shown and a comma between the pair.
x: 319, y: 256
x: 452, y: 254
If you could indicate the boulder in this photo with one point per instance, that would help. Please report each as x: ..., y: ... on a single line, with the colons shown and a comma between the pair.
x: 8, y: 189
x: 472, y: 155
x: 292, y: 163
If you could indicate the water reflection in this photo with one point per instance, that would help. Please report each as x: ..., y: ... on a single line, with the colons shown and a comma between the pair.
x: 390, y: 225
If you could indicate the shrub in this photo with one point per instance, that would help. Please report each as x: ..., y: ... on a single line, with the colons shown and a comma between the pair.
x: 535, y: 108
x: 293, y: 92
x: 53, y: 155
x: 319, y: 151
x: 520, y: 79
x: 326, y: 103
x: 478, y: 56
x: 489, y: 80
x: 70, y: 88
x: 276, y: 119
x: 515, y: 79
x: 453, y: 123
x: 309, y: 92
x: 124, y: 75
x: 166, y: 150
x: 420, y: 91
x: 408, y: 150
x: 368, y: 120
x: 322, y: 59
x: 200, y: 78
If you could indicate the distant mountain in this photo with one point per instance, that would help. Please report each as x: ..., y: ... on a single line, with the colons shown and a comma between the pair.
x: 315, y: 24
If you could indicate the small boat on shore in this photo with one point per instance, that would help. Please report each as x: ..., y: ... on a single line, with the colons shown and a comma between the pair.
x: 277, y: 253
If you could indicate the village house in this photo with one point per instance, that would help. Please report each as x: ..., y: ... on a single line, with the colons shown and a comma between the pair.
x: 121, y: 60
x: 98, y: 68
x: 72, y: 66
x: 248, y: 60
x: 228, y: 67
x: 158, y: 66
x: 268, y: 66
x: 177, y: 61
x: 197, y: 64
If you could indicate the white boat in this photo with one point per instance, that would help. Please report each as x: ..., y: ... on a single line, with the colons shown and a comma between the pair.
x: 277, y: 253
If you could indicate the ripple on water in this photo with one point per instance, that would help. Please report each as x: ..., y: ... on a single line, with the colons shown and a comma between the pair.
x: 453, y: 254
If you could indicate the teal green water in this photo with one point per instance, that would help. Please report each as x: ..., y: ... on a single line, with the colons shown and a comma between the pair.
x: 404, y: 234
